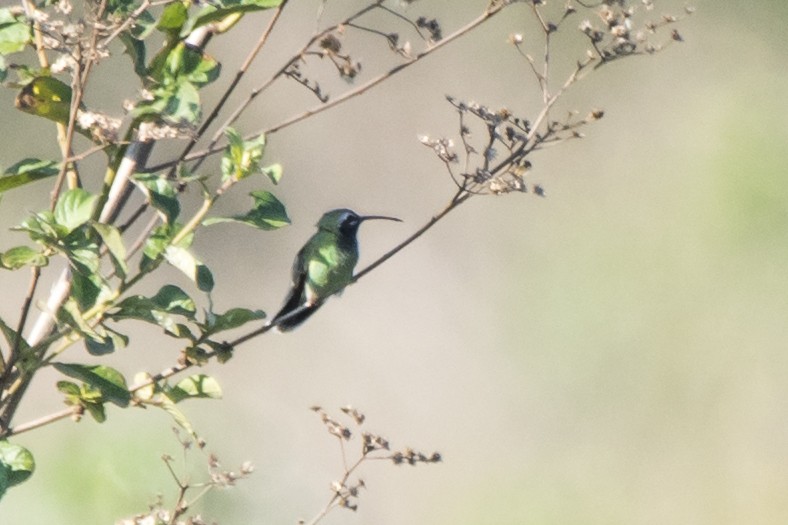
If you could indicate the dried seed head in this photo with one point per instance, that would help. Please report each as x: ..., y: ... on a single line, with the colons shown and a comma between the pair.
x: 330, y: 44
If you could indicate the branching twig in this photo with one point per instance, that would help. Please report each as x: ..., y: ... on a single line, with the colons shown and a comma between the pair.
x: 236, y: 114
x: 361, y: 89
x: 373, y: 447
x: 234, y: 83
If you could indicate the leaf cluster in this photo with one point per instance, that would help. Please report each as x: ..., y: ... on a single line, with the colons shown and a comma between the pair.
x: 80, y: 232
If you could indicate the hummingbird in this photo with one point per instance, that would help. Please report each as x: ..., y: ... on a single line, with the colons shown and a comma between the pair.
x: 323, y: 267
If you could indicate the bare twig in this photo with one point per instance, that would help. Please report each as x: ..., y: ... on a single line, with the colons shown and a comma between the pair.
x: 236, y: 114
x: 212, y: 148
x: 381, y: 77
x: 129, y: 20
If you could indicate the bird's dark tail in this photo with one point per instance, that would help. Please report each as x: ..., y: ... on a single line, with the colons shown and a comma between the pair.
x: 289, y: 318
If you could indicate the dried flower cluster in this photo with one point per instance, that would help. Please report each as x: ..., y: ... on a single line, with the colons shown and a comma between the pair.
x: 620, y: 34
x: 158, y: 513
x: 328, y: 45
x: 505, y: 138
x: 345, y: 491
x: 496, y: 145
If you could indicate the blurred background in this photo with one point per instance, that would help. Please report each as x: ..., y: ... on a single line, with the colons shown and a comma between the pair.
x: 614, y: 353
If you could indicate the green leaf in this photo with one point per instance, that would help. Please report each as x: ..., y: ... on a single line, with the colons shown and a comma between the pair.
x: 154, y: 247
x: 26, y: 171
x: 169, y: 299
x: 186, y: 63
x: 184, y: 104
x: 108, y: 342
x: 159, y: 309
x: 71, y: 315
x: 223, y: 351
x: 196, y: 355
x: 173, y: 17
x: 176, y: 104
x: 223, y: 9
x: 200, y: 68
x: 17, y: 463
x: 42, y: 228
x: 46, y: 97
x: 177, y: 72
x: 70, y: 389
x: 85, y: 396
x: 86, y: 287
x: 108, y: 381
x: 15, y: 32
x: 110, y: 235
x: 196, y: 386
x: 135, y: 48
x: 3, y: 68
x: 5, y: 474
x: 121, y: 7
x: 241, y: 158
x: 20, y: 256
x: 25, y: 74
x: 74, y: 208
x: 143, y: 26
x: 82, y: 249
x: 11, y: 337
x: 161, y: 194
x: 27, y: 361
x: 97, y: 411
x: 273, y: 172
x: 233, y: 318
x: 179, y: 417
x: 268, y: 213
x: 184, y: 261
x: 172, y: 299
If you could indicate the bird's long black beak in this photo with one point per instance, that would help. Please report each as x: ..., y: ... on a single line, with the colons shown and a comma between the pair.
x: 383, y: 217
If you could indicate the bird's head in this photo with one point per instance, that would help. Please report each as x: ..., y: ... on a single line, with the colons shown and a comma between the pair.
x: 346, y: 222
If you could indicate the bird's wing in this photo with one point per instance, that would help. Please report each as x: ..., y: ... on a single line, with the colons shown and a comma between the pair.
x: 296, y: 296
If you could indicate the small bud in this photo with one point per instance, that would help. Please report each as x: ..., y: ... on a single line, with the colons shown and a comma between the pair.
x: 595, y: 115
x: 516, y: 39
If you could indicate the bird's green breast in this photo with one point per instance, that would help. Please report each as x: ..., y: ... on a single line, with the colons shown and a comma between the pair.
x: 330, y: 265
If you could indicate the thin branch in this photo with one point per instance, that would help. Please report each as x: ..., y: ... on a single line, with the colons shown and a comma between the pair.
x: 236, y: 114
x: 544, y: 77
x: 406, y: 20
x: 40, y: 422
x: 128, y: 22
x: 35, y: 274
x: 456, y: 201
x: 382, y: 77
x: 363, y: 88
x: 460, y: 197
x: 234, y: 83
x: 88, y: 152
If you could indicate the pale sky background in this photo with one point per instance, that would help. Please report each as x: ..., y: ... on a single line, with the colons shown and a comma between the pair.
x: 612, y: 354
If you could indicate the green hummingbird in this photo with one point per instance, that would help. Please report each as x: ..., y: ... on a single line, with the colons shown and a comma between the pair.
x: 323, y: 267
